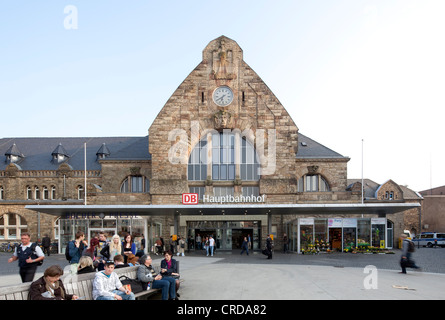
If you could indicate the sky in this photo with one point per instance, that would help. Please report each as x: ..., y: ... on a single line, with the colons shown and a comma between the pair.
x: 364, y: 78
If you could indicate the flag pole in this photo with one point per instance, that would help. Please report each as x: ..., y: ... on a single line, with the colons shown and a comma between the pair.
x: 363, y: 187
x: 85, y: 159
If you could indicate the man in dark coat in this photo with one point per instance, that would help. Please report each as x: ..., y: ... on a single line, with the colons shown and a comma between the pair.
x: 46, y: 244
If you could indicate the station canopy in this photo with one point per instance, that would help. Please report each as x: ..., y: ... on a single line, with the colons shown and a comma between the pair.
x: 381, y: 209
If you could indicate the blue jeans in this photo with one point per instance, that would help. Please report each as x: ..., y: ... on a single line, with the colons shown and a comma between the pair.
x: 168, y: 286
x: 120, y: 293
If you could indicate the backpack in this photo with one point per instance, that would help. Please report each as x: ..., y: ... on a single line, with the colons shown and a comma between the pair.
x: 67, y: 250
x: 411, y: 246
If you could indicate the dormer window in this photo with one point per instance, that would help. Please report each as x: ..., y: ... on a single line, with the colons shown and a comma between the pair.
x: 103, y: 152
x: 13, y: 154
x: 59, y: 154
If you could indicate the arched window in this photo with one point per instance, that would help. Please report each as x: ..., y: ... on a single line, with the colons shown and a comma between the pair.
x: 80, y: 193
x: 28, y: 193
x: 313, y: 183
x: 135, y: 184
x: 11, y: 226
x: 45, y: 193
x: 223, y: 157
x: 53, y: 193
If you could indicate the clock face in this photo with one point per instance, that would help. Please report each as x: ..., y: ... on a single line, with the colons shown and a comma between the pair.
x: 223, y: 96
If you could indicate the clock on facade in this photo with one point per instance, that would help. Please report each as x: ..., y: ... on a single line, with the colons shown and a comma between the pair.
x: 223, y: 96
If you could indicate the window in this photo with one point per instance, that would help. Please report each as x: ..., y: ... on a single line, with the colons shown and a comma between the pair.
x: 53, y: 193
x: 222, y: 159
x: 199, y: 190
x: 45, y: 193
x: 28, y: 193
x: 313, y: 183
x: 197, y: 166
x: 251, y: 191
x: 223, y: 191
x: 2, y: 193
x: 36, y: 193
x: 12, y: 226
x: 80, y: 193
x: 135, y: 184
x: 223, y: 156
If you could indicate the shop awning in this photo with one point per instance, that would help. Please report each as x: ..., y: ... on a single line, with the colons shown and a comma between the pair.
x: 380, y: 209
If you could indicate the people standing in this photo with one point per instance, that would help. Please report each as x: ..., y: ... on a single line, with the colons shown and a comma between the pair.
x: 269, y: 246
x: 181, y: 246
x: 249, y: 241
x: 408, y: 248
x: 285, y: 243
x: 76, y: 248
x: 103, y: 242
x: 113, y: 249
x: 129, y: 247
x: 198, y: 242
x: 107, y: 286
x: 245, y: 246
x: 211, y: 245
x: 46, y: 244
x: 29, y: 256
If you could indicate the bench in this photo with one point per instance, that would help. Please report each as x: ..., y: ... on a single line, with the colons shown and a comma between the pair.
x: 80, y: 285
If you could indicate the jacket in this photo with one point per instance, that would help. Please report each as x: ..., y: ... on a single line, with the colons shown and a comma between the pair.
x: 104, y: 285
x: 173, y: 267
x: 75, y: 252
x: 39, y: 286
x: 146, y: 274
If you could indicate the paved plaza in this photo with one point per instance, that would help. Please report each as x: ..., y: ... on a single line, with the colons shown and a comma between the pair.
x: 334, y: 276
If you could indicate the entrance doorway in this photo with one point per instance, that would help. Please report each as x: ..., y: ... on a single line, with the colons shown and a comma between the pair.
x: 204, y: 233
x: 238, y: 237
x: 335, y: 238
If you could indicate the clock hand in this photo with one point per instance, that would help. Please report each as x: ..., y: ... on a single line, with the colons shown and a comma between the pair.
x: 221, y: 98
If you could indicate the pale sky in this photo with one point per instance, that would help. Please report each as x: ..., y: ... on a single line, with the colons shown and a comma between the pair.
x: 344, y: 70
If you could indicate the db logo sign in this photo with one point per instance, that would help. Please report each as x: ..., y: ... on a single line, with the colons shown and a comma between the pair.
x: 189, y: 198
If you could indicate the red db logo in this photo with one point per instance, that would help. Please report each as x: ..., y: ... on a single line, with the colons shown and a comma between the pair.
x: 189, y: 198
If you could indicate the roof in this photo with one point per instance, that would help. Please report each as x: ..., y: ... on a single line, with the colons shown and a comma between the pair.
x: 309, y: 148
x: 37, y: 151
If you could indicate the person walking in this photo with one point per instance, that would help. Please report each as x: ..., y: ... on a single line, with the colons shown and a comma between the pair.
x: 408, y: 248
x: 245, y: 246
x: 29, y: 256
x: 46, y: 244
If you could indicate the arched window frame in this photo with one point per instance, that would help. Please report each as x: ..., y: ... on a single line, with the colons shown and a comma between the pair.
x: 135, y: 184
x: 313, y: 183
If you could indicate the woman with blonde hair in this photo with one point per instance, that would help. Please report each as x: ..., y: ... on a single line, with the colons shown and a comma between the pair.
x: 85, y: 265
x: 113, y: 249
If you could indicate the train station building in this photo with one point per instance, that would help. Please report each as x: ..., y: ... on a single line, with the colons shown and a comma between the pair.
x: 223, y: 157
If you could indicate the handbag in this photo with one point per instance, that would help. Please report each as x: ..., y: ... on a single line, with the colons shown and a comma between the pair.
x: 136, y: 285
